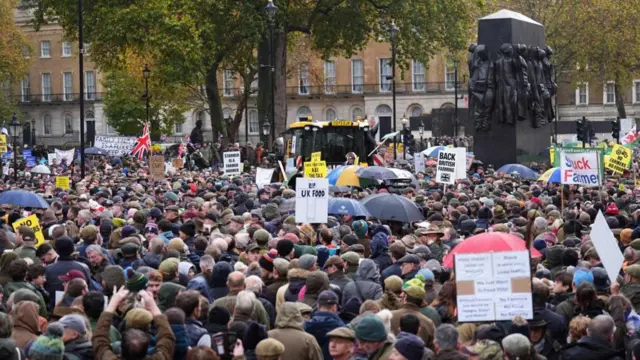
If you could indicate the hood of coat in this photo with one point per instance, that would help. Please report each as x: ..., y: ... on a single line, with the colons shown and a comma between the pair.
x: 289, y: 317
x: 25, y: 316
x: 317, y: 282
x: 221, y: 271
x: 167, y: 295
x: 379, y: 245
x: 368, y: 270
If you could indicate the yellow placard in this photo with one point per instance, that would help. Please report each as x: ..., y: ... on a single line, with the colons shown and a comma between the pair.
x: 32, y: 222
x: 552, y: 154
x: 364, y: 164
x: 316, y: 156
x: 619, y: 159
x: 62, y: 182
x: 342, y: 123
x: 315, y: 169
x: 3, y: 144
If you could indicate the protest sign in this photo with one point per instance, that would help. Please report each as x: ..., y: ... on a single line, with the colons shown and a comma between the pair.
x: 312, y: 200
x: 156, y: 167
x: 115, y: 145
x: 51, y: 158
x: 470, y: 157
x: 315, y: 169
x: 62, y: 182
x: 316, y: 156
x: 3, y: 144
x: 263, y: 177
x: 177, y: 163
x: 619, y: 159
x: 451, y: 166
x: 552, y: 154
x: 32, y: 222
x: 66, y: 155
x: 606, y: 246
x: 26, y: 153
x: 493, y: 286
x: 232, y: 163
x: 418, y: 157
x: 582, y: 168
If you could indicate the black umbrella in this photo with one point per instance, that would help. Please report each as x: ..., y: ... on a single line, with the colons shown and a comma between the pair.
x: 392, y: 207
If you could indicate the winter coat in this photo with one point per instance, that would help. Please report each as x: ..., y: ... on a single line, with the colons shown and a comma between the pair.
x: 339, y: 279
x: 438, y: 250
x: 167, y: 295
x: 389, y: 301
x: 78, y: 349
x: 319, y: 325
x: 380, y: 251
x: 298, y: 344
x: 259, y: 313
x: 152, y: 260
x: 317, y: 282
x: 557, y: 328
x: 200, y: 284
x: 25, y: 323
x: 450, y: 355
x: 59, y: 268
x: 271, y: 290
x: 427, y: 328
x: 182, y: 341
x: 13, y: 286
x: 384, y: 352
x: 366, y: 242
x: 393, y: 269
x: 297, y: 276
x: 591, y: 348
x: 9, y: 350
x: 195, y: 331
x: 632, y: 292
x: 366, y: 284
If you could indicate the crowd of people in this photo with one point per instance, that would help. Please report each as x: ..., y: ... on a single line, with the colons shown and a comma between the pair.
x: 202, y: 266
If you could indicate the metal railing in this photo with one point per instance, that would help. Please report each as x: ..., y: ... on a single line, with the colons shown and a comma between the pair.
x: 374, y: 89
x: 37, y: 99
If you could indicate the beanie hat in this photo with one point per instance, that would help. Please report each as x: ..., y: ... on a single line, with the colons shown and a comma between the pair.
x: 188, y: 228
x: 307, y: 261
x: 169, y: 266
x: 262, y: 237
x: 138, y: 318
x: 266, y: 261
x: 64, y: 246
x: 612, y: 209
x: 360, y: 227
x: 393, y: 283
x: 270, y: 212
x: 254, y: 333
x: 284, y: 247
x: 113, y: 275
x: 582, y: 275
x: 176, y: 244
x: 219, y: 315
x: 410, y: 346
x: 136, y: 281
x: 371, y: 328
x: 127, y: 231
x: 48, y: 346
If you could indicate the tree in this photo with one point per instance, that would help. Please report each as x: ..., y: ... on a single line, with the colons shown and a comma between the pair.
x: 13, y: 64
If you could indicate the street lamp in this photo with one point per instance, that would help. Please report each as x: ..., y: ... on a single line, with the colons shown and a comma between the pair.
x: 15, y: 125
x: 270, y: 11
x: 266, y: 130
x: 421, y: 132
x: 393, y: 34
x: 405, y: 132
x: 456, y: 62
x: 145, y: 74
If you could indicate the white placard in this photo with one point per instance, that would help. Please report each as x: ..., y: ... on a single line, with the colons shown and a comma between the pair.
x: 312, y: 200
x: 115, y: 145
x: 606, y: 246
x: 493, y: 286
x: 263, y: 177
x: 232, y: 163
x: 451, y: 166
x: 51, y: 158
x: 67, y: 155
x: 418, y: 157
x: 581, y: 168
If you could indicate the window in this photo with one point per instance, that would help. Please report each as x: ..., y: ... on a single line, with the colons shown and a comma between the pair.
x: 26, y: 89
x: 90, y: 85
x: 609, y: 93
x: 329, y: 77
x: 357, y: 112
x: 254, y: 124
x: 87, y: 48
x: 46, y: 124
x: 227, y: 113
x: 582, y: 94
x: 66, y: 48
x: 67, y: 83
x: 450, y: 76
x: 90, y: 116
x: 68, y: 124
x: 26, y: 51
x: 254, y: 85
x: 303, y: 113
x: 177, y: 128
x: 45, y: 49
x: 303, y: 87
x: 227, y: 83
x: 636, y: 91
x: 357, y: 76
x: 415, y: 111
x: 385, y: 74
x: 418, y: 76
x: 330, y: 114
x: 383, y: 110
x: 46, y: 86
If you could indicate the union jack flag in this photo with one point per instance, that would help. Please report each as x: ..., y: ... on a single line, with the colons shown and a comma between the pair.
x: 143, y: 144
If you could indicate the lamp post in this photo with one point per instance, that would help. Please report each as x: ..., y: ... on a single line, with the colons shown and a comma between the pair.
x: 15, y: 125
x: 405, y: 132
x: 270, y: 10
x: 393, y: 32
x: 145, y: 74
x: 456, y: 62
x: 421, y: 132
x: 266, y: 130
x: 81, y: 75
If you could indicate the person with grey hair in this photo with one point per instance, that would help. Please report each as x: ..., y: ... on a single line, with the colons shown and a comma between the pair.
x: 255, y: 285
x: 518, y: 347
x: 446, y: 343
x: 242, y: 312
x: 98, y: 261
x: 76, y: 337
x: 84, y: 218
x: 236, y: 283
x: 598, y: 344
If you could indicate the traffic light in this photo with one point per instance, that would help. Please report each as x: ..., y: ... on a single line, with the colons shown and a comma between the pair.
x: 580, y: 129
x: 615, y: 129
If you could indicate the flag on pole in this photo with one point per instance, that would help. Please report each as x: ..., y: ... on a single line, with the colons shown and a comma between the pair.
x: 632, y: 139
x: 143, y: 144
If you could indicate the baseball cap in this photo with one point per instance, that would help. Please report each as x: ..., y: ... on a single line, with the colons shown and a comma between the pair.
x: 74, y: 322
x: 422, y: 251
x: 328, y: 297
x: 73, y: 274
x: 409, y: 259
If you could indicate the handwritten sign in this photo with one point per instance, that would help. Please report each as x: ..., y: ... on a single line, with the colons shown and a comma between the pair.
x: 312, y: 200
x: 177, y: 163
x: 232, y: 163
x: 315, y: 169
x: 3, y: 144
x: 156, y: 167
x: 62, y: 182
x: 316, y: 156
x: 115, y: 145
x: 619, y: 159
x: 32, y: 222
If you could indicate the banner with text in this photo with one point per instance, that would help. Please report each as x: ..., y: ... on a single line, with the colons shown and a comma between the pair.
x: 232, y: 165
x: 620, y: 159
x: 312, y: 200
x: 115, y: 145
x: 66, y: 155
x: 451, y: 165
x: 580, y: 168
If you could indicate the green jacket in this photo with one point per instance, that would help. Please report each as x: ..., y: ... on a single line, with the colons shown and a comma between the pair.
x: 114, y: 334
x: 632, y: 292
x: 13, y: 286
x: 567, y: 309
x: 27, y: 252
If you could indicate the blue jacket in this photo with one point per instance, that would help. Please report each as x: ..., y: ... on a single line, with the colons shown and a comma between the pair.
x: 319, y: 325
x: 167, y: 236
x: 380, y: 251
x: 199, y: 283
x: 61, y: 267
x: 393, y: 269
x: 195, y: 331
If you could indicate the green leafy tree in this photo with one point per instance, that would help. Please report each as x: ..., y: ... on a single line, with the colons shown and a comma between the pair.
x: 13, y: 65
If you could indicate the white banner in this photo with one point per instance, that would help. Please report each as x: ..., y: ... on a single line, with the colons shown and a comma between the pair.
x: 66, y: 155
x: 115, y: 145
x: 263, y: 177
x: 418, y: 157
x: 232, y: 165
x: 451, y: 166
x: 581, y: 168
x: 312, y: 200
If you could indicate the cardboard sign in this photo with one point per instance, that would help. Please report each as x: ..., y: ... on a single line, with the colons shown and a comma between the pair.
x: 581, y: 168
x: 606, y: 246
x: 619, y: 159
x: 32, y: 222
x: 156, y: 167
x: 66, y: 155
x: 115, y: 145
x: 232, y: 163
x: 315, y: 169
x: 177, y: 163
x: 316, y: 156
x: 62, y: 182
x: 3, y: 144
x: 418, y: 157
x: 263, y: 177
x: 451, y: 166
x: 312, y: 200
x: 493, y: 286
